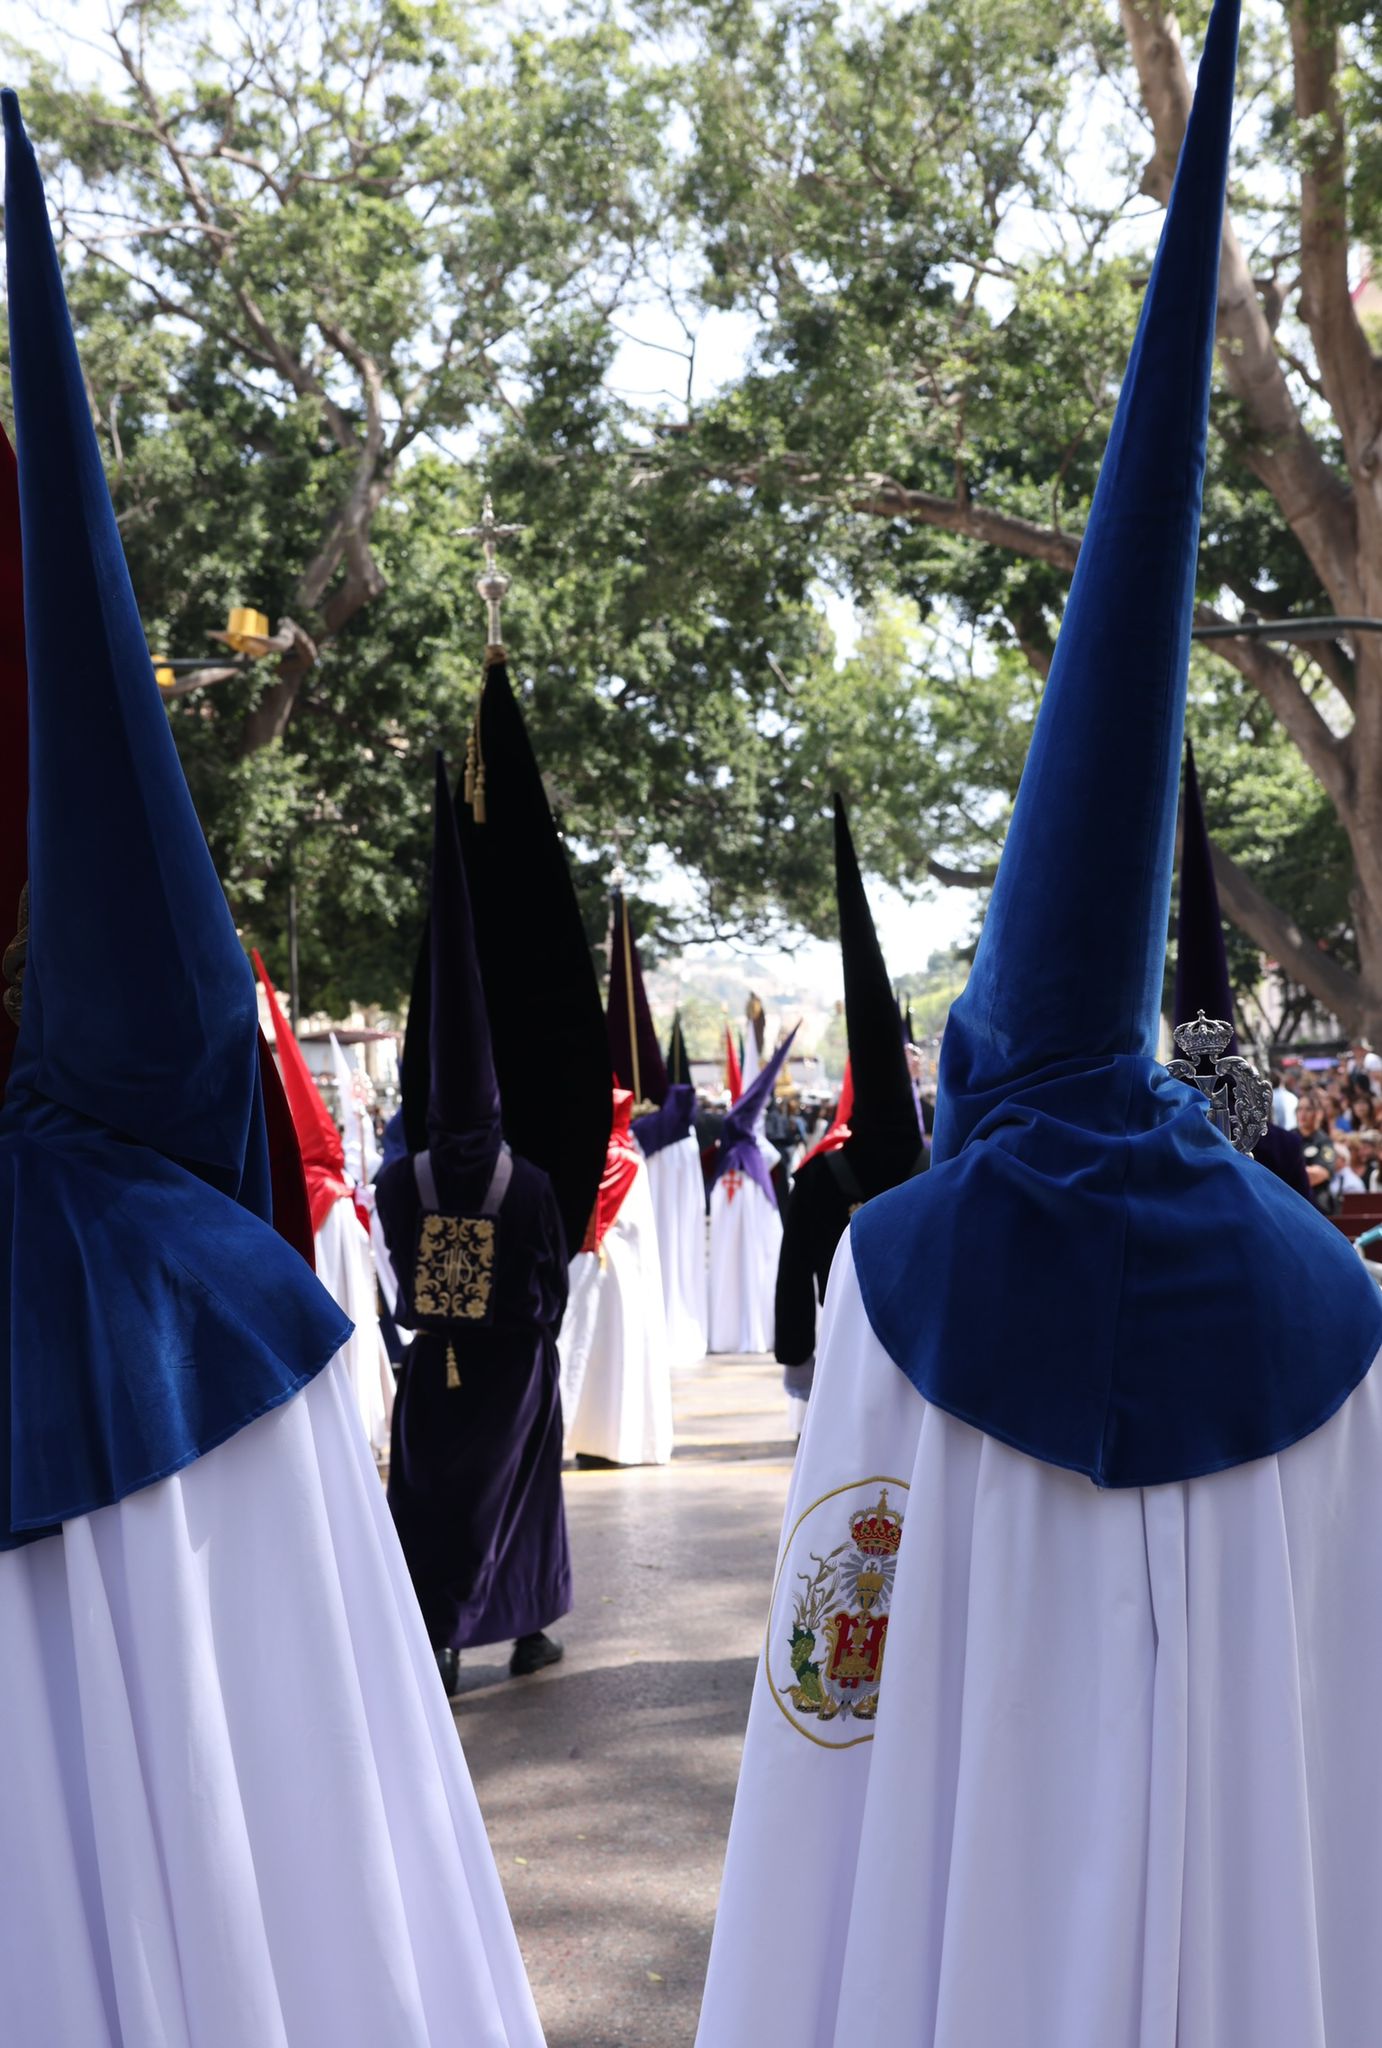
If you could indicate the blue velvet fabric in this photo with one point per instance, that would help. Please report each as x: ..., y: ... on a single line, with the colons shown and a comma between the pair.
x: 152, y: 1308
x: 668, y: 1124
x: 1090, y: 1272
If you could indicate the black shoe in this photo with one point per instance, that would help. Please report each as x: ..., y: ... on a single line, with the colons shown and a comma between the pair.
x: 534, y: 1653
x: 449, y: 1665
x: 586, y: 1461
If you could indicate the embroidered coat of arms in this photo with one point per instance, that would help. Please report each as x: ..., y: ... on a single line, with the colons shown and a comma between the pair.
x: 829, y: 1626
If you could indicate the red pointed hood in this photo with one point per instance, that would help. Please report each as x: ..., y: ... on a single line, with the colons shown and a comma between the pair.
x: 839, y: 1132
x: 621, y: 1168
x: 323, y: 1154
x: 734, y: 1079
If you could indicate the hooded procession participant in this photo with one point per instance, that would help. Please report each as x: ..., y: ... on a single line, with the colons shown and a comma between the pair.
x: 874, y: 1143
x: 476, y: 1242
x: 616, y: 1383
x: 662, y: 1126
x: 1202, y: 983
x: 678, y: 1061
x: 745, y: 1221
x: 340, y: 1241
x: 1117, y: 1784
x: 242, y: 1813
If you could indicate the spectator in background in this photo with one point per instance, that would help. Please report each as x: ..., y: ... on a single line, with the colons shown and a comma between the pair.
x: 1313, y: 1125
x: 1366, y: 1153
x: 1346, y: 1181
x: 1283, y: 1102
x: 1362, y: 1059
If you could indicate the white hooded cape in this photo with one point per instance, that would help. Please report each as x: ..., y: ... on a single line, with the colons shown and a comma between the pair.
x: 678, y: 1191
x: 745, y: 1243
x: 1123, y: 1787
x: 345, y: 1267
x: 616, y: 1385
x: 235, y: 1813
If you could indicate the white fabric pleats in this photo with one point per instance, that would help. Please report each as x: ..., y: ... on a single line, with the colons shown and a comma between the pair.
x: 1124, y: 1786
x: 234, y: 1812
x: 678, y: 1191
x: 616, y: 1384
x: 745, y: 1244
x: 345, y: 1267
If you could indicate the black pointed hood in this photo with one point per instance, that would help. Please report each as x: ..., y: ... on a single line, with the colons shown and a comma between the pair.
x: 551, y: 1055
x: 464, y: 1117
x: 883, y: 1119
x: 635, y: 1054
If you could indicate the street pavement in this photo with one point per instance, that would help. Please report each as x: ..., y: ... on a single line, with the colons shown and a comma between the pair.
x: 607, y: 1782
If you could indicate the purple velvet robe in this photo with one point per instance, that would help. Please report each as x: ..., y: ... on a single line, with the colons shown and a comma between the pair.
x: 475, y: 1471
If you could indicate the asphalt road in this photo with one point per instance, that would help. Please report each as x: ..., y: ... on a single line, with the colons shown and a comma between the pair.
x: 607, y: 1782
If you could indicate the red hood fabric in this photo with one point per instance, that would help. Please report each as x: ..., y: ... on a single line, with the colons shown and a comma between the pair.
x: 734, y: 1079
x: 839, y: 1132
x: 14, y: 729
x: 292, y: 1210
x: 319, y: 1141
x: 622, y: 1159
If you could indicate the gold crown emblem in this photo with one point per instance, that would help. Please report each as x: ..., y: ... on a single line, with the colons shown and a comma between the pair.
x: 877, y: 1532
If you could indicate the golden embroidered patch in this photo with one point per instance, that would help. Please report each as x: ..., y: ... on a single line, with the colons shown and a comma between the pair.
x: 454, y: 1277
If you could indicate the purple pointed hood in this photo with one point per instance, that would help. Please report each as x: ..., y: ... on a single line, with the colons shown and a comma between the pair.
x: 738, y: 1150
x: 669, y: 1123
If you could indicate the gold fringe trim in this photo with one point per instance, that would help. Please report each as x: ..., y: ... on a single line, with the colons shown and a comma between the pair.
x: 453, y: 1375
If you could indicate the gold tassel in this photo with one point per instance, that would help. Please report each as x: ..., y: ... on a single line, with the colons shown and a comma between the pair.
x: 453, y: 1377
x: 475, y: 769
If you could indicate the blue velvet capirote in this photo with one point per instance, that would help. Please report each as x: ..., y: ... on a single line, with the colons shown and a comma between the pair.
x: 152, y: 1308
x: 1090, y: 1272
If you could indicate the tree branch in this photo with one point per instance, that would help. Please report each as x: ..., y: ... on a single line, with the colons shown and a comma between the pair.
x: 1348, y: 370
x: 1273, y: 675
x: 1335, y: 987
x: 1317, y: 504
x: 961, y: 878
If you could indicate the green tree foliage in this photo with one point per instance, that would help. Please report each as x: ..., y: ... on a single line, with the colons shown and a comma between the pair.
x: 336, y: 268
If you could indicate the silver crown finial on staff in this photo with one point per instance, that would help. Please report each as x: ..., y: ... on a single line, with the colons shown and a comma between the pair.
x: 493, y: 585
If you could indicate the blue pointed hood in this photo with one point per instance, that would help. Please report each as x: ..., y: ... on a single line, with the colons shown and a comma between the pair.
x: 152, y: 1311
x: 139, y: 1004
x: 1069, y: 964
x: 1111, y: 1287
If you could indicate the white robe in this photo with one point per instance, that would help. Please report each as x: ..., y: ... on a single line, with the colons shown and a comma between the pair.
x: 1124, y: 1786
x: 745, y: 1244
x: 616, y: 1383
x: 234, y: 1810
x: 345, y: 1267
x: 678, y: 1191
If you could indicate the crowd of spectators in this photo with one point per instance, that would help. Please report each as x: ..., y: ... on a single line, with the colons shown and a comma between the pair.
x: 1337, y: 1112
